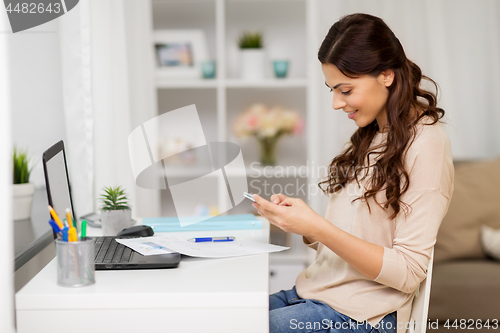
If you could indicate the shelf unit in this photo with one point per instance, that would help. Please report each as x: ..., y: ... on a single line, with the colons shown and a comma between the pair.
x: 288, y: 28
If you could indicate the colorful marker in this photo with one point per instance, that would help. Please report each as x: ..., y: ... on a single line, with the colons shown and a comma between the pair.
x: 71, y: 222
x: 84, y: 230
x: 54, y: 226
x: 55, y: 217
x: 72, y: 237
x: 72, y: 230
x: 65, y: 234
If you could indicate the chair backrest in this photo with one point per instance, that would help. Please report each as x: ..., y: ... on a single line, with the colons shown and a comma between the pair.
x: 420, y: 306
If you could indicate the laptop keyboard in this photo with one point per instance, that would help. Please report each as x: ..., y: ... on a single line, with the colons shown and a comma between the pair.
x: 108, y: 250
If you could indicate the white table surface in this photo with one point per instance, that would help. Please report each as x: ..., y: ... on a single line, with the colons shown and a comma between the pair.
x: 201, y: 295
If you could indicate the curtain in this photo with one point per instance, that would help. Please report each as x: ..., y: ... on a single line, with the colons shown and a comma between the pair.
x: 74, y: 40
x: 456, y: 43
x: 107, y: 69
x: 110, y: 93
x: 142, y: 89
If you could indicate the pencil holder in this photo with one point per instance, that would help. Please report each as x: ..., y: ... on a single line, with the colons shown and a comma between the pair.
x: 75, y: 263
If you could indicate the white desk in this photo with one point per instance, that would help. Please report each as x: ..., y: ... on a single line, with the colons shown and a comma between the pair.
x: 201, y: 295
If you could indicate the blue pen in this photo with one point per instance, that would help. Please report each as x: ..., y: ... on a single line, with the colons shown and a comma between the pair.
x: 54, y: 226
x: 65, y: 234
x: 212, y: 239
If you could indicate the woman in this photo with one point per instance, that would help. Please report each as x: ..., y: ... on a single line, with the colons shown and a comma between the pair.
x: 389, y: 191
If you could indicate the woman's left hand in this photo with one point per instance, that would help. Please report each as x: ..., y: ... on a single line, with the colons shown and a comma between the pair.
x: 291, y: 215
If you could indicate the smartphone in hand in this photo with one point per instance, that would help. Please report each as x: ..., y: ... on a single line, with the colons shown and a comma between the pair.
x: 248, y: 196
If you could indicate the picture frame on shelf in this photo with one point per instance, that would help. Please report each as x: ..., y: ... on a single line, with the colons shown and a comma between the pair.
x: 180, y: 53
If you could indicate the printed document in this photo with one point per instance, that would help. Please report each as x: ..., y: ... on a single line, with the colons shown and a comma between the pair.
x: 175, y: 243
x: 144, y: 246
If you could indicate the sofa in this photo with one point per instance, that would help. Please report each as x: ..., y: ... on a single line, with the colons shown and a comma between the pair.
x: 466, y: 277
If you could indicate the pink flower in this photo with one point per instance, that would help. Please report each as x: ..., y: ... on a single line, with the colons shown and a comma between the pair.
x: 252, y: 122
x: 262, y: 121
x: 299, y: 127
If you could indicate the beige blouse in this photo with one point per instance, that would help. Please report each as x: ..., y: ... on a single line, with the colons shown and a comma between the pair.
x: 407, y: 241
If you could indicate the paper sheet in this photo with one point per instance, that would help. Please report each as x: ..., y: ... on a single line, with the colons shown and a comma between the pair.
x: 144, y: 246
x: 238, y: 247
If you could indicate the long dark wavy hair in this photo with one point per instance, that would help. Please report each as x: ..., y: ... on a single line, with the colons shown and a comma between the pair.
x: 362, y: 44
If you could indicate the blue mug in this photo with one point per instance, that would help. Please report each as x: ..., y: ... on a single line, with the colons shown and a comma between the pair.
x: 280, y: 68
x: 208, y: 68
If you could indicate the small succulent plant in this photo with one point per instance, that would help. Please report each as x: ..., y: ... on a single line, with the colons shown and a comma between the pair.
x: 250, y: 40
x: 21, y: 169
x: 114, y: 198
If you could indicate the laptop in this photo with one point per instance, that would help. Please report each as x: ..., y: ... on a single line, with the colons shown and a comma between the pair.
x: 109, y: 254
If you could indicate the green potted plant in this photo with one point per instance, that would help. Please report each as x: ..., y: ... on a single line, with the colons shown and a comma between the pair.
x: 23, y: 190
x: 252, y: 55
x: 115, y: 211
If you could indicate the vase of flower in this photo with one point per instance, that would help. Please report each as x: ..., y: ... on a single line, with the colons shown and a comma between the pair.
x: 268, y: 125
x: 268, y: 150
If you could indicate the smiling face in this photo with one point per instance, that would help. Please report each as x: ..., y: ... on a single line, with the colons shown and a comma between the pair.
x: 363, y: 98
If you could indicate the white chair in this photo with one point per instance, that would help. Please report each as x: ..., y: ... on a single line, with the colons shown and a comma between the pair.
x: 420, y: 306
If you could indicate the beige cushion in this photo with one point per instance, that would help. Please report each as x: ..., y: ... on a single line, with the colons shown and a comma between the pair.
x: 465, y: 289
x: 475, y: 201
x: 490, y: 241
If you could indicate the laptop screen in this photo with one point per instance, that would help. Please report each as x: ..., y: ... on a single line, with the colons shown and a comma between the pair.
x: 56, y: 180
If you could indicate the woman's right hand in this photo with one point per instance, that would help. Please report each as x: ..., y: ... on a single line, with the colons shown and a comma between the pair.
x: 278, y: 199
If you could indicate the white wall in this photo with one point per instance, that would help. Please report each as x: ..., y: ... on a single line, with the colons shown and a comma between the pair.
x: 36, y: 122
x: 35, y: 81
x: 6, y: 236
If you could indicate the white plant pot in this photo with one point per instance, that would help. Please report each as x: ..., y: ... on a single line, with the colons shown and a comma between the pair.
x: 114, y: 221
x: 23, y: 198
x: 252, y: 64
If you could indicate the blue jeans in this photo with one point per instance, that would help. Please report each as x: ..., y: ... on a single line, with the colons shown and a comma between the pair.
x: 290, y: 313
